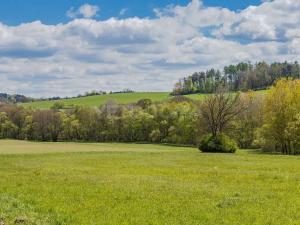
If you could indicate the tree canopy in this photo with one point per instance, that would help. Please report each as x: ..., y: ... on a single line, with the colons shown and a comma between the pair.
x: 240, y: 77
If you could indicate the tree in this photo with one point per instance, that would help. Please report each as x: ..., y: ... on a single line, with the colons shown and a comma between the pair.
x: 144, y: 103
x: 58, y: 105
x: 47, y: 125
x: 219, y: 109
x: 7, y: 127
x: 281, y: 115
x: 240, y: 77
x: 248, y: 121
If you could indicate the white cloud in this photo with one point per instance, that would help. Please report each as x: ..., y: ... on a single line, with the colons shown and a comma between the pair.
x: 272, y: 20
x: 86, y: 11
x: 123, y: 11
x: 144, y: 54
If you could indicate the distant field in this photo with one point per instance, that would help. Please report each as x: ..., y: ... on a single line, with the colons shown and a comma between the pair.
x: 98, y: 100
x: 123, y: 98
x: 131, y: 184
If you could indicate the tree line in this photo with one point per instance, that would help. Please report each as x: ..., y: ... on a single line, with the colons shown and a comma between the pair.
x: 240, y: 77
x: 167, y: 122
x: 269, y: 121
x: 16, y: 98
x: 86, y: 94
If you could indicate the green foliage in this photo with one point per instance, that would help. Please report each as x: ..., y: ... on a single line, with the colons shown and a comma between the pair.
x: 144, y: 103
x: 58, y: 105
x: 166, y: 122
x: 281, y: 118
x: 243, y: 129
x: 250, y: 120
x: 218, y: 144
x: 240, y: 77
x: 7, y: 128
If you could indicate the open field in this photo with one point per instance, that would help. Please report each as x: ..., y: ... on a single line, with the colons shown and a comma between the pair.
x: 90, y: 184
x: 98, y: 100
x: 122, y: 98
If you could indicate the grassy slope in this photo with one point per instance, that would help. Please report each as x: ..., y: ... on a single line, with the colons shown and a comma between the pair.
x: 100, y: 99
x: 145, y: 184
x: 120, y: 98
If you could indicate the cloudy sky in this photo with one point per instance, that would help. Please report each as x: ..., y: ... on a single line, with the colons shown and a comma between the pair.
x: 50, y: 48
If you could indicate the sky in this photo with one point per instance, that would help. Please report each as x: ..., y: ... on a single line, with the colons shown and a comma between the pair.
x: 63, y: 48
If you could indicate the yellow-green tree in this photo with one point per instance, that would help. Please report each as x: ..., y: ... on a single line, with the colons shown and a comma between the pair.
x: 281, y: 116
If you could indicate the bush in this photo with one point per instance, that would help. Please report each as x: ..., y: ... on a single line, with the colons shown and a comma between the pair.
x: 58, y: 105
x: 220, y: 143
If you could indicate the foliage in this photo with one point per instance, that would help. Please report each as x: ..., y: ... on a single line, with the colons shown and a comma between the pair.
x: 244, y: 126
x: 144, y: 103
x: 166, y: 122
x: 219, y: 143
x: 16, y: 98
x: 281, y: 117
x: 254, y: 119
x: 240, y: 77
x: 58, y: 105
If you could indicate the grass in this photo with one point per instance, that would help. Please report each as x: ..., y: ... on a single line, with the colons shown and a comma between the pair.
x: 98, y: 100
x: 119, y: 184
x: 123, y: 98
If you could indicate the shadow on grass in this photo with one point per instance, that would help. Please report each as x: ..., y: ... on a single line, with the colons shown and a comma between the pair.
x: 264, y: 152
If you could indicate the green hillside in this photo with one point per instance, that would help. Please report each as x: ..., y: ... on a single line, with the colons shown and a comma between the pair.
x: 98, y: 100
x: 101, y: 99
x: 122, y: 98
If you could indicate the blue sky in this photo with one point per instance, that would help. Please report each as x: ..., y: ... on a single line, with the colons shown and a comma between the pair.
x: 13, y: 12
x: 67, y: 47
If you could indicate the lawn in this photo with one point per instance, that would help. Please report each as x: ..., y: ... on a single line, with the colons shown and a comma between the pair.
x: 132, y: 184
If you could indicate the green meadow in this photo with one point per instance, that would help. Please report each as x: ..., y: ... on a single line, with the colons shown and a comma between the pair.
x: 97, y: 100
x: 122, y: 98
x: 142, y: 184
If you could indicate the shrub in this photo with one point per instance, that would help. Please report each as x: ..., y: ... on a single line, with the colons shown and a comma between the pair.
x: 220, y: 143
x: 155, y: 135
x: 58, y: 105
x: 144, y: 103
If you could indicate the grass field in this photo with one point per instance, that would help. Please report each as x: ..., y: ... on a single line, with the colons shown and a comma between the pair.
x: 101, y: 99
x: 123, y: 98
x: 131, y: 184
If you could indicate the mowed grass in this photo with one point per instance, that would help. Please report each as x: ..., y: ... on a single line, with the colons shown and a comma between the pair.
x: 132, y: 184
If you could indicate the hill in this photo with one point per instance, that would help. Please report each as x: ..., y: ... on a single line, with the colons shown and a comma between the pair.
x: 97, y: 100
x: 122, y: 98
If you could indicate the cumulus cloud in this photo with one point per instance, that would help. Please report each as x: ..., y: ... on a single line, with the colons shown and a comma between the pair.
x: 272, y: 20
x: 86, y: 11
x: 144, y: 54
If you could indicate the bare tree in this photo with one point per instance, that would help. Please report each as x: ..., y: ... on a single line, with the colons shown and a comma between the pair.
x: 219, y: 109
